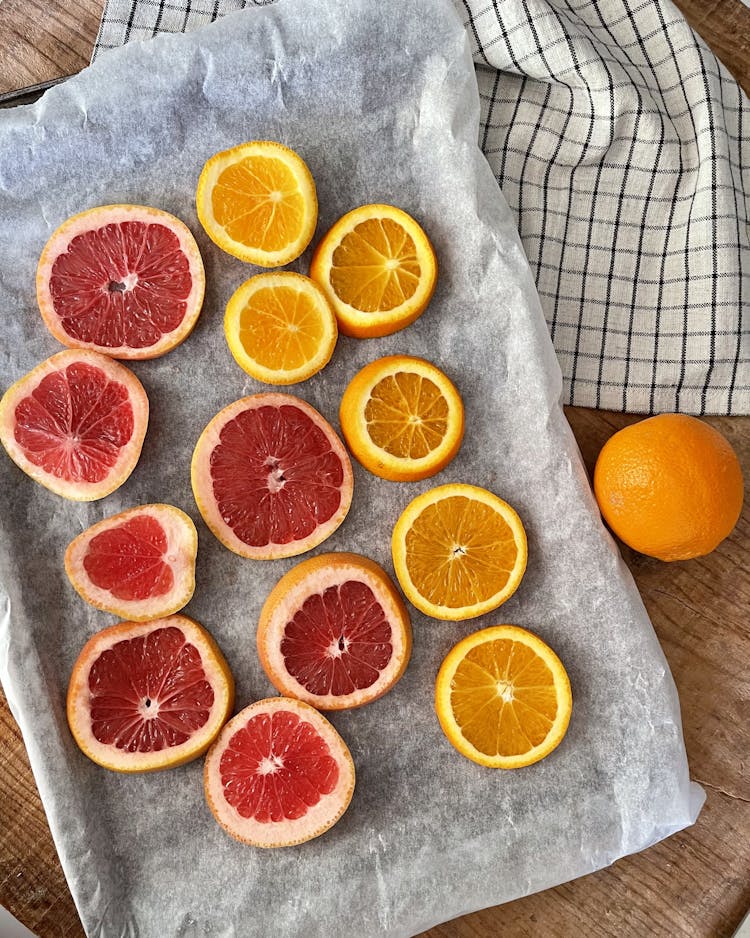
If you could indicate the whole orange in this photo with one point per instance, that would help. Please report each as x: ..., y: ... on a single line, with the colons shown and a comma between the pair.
x: 669, y: 486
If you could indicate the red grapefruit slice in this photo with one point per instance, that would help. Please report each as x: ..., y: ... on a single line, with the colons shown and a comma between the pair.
x: 279, y: 774
x: 125, y: 280
x: 139, y: 564
x: 334, y: 632
x: 147, y: 696
x: 270, y: 477
x: 75, y: 424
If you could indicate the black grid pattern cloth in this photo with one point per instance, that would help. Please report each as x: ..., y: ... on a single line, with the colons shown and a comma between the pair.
x: 623, y: 147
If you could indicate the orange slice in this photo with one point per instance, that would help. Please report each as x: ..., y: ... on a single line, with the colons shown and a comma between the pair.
x: 402, y: 418
x: 378, y: 269
x: 459, y: 551
x: 257, y: 202
x: 334, y: 632
x: 149, y: 695
x: 503, y: 697
x: 280, y: 327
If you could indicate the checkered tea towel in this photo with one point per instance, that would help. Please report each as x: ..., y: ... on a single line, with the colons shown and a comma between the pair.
x: 623, y: 147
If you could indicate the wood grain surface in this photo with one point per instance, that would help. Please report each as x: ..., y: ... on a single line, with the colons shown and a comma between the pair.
x: 696, y: 884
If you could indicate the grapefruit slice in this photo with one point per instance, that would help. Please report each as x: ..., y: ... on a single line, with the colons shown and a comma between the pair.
x: 139, y: 564
x: 126, y: 280
x: 334, y: 632
x: 75, y: 424
x: 270, y: 477
x: 150, y: 695
x: 279, y: 774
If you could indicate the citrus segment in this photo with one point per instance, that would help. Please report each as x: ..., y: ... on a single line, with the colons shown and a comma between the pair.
x: 139, y: 564
x: 75, y: 424
x: 378, y: 269
x: 402, y: 418
x: 503, y: 697
x: 147, y: 696
x: 270, y: 477
x: 257, y: 201
x: 459, y: 551
x: 279, y: 774
x: 125, y: 280
x: 669, y: 486
x: 334, y: 632
x: 280, y: 327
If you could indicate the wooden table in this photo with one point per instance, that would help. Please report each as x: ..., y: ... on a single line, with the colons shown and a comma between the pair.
x: 694, y: 885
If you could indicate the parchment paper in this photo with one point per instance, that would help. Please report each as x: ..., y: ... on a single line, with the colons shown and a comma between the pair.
x: 381, y: 101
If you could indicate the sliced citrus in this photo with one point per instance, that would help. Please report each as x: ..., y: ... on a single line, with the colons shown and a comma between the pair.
x: 270, y: 477
x: 279, y: 774
x: 257, y: 202
x: 378, y: 269
x: 459, y: 551
x: 280, y: 327
x: 503, y: 697
x: 125, y: 280
x: 150, y: 695
x: 75, y: 424
x: 402, y: 418
x: 334, y: 632
x: 139, y: 564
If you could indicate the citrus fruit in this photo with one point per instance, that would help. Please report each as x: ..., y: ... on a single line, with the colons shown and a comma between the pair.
x: 279, y: 774
x: 149, y: 695
x: 377, y: 268
x: 669, y: 486
x: 402, y: 418
x: 139, y: 564
x: 125, y: 280
x: 334, y: 632
x: 75, y: 424
x: 270, y: 477
x: 257, y: 202
x: 459, y: 551
x: 503, y: 697
x: 280, y: 327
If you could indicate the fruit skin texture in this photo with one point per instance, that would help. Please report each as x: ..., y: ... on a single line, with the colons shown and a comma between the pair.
x: 301, y: 580
x: 129, y: 454
x: 411, y: 514
x: 175, y: 522
x: 354, y: 423
x: 444, y: 710
x: 669, y: 486
x: 352, y: 321
x: 306, y: 185
x: 96, y: 218
x: 247, y: 830
x: 77, y: 713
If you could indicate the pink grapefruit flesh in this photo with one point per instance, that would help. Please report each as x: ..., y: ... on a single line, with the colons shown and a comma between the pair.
x: 75, y: 424
x: 148, y: 696
x: 139, y: 564
x: 270, y: 477
x: 125, y: 280
x: 334, y: 632
x: 279, y: 774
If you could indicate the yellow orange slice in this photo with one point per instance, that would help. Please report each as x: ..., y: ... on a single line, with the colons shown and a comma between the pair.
x: 503, y: 697
x: 257, y: 202
x: 149, y: 695
x: 378, y: 269
x: 280, y: 327
x: 459, y: 551
x: 402, y: 418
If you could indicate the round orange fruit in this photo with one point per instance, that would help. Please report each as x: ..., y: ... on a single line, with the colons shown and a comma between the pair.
x: 669, y: 486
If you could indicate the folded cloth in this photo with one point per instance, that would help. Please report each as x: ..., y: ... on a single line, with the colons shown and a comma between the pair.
x: 623, y: 147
